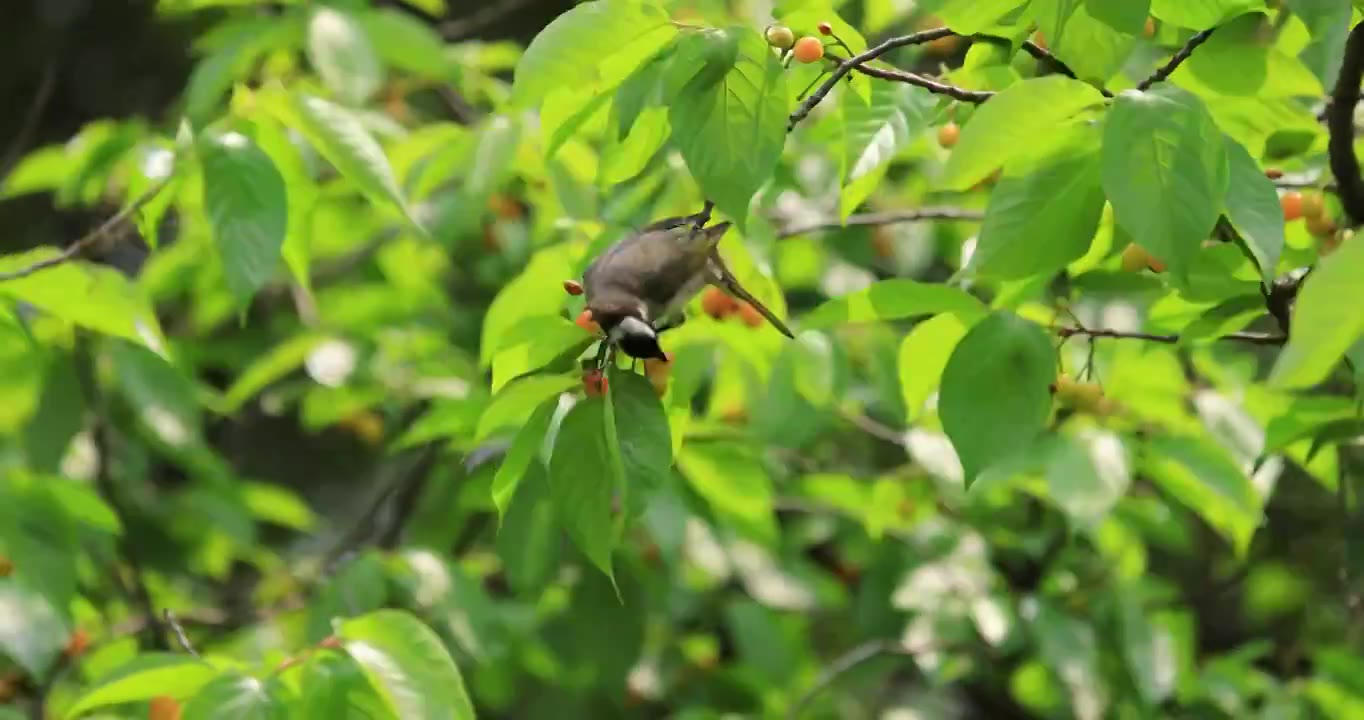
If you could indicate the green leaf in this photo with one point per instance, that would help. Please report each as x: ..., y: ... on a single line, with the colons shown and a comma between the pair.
x: 95, y: 297
x: 731, y: 131
x: 874, y: 131
x: 584, y: 480
x: 233, y: 696
x: 268, y: 368
x: 1128, y: 16
x: 972, y: 16
x: 408, y: 665
x: 1238, y: 61
x: 1205, y: 479
x: 302, y: 193
x: 1229, y: 316
x: 994, y: 399
x: 735, y: 484
x: 1087, y: 474
x: 1253, y: 207
x: 1092, y: 48
x: 335, y: 688
x: 407, y: 43
x: 1328, y: 21
x: 571, y: 50
x: 519, y: 399
x: 144, y: 677
x: 524, y: 449
x: 342, y: 55
x: 1201, y: 14
x: 643, y: 436
x: 538, y: 342
x: 529, y: 539
x: 923, y: 357
x: 1165, y: 172
x: 1326, y: 319
x: 537, y: 291
x: 1042, y: 221
x: 1011, y: 123
x: 33, y: 633
x: 83, y: 504
x: 247, y: 204
x: 893, y: 300
x: 340, y: 137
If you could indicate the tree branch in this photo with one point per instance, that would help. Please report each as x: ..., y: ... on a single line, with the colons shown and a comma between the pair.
x: 1184, y: 53
x: 856, y: 61
x: 933, y: 86
x: 85, y: 243
x: 1340, y: 125
x: 1244, y: 337
x: 889, y: 217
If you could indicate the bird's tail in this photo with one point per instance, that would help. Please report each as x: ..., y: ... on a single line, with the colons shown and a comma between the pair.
x: 730, y: 284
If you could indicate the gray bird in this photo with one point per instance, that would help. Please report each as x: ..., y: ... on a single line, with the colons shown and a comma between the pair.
x: 638, y: 287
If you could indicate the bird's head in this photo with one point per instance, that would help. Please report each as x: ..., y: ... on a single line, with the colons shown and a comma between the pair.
x: 634, y: 335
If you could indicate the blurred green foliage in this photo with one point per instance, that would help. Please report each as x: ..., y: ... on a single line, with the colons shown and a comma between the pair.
x: 1040, y: 449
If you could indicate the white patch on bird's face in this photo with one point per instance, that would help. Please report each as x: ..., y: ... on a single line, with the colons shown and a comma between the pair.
x: 630, y: 326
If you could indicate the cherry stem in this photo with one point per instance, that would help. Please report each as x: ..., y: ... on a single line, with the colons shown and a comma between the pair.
x: 812, y: 84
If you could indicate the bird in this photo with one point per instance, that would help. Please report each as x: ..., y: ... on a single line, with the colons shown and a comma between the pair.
x: 638, y: 287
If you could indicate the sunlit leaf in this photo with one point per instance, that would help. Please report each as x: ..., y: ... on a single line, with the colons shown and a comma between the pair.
x: 408, y: 665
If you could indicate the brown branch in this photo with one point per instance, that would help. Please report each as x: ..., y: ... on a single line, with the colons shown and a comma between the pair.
x: 46, y: 85
x: 1184, y: 53
x: 85, y: 243
x: 1040, y: 53
x: 1340, y: 125
x: 889, y: 217
x: 929, y: 84
x: 1244, y: 337
x: 856, y: 61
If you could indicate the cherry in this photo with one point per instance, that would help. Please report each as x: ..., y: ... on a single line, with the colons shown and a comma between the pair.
x: 949, y: 134
x: 808, y: 49
x: 780, y: 36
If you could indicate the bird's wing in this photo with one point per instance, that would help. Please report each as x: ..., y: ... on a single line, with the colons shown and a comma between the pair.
x: 658, y: 267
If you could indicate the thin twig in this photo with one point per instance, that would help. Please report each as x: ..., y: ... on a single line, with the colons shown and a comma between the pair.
x: 889, y: 217
x: 1184, y: 53
x: 873, y: 428
x: 46, y: 85
x: 844, y: 663
x: 489, y: 14
x: 1251, y: 338
x: 80, y: 246
x: 179, y: 631
x: 1340, y: 126
x: 856, y: 61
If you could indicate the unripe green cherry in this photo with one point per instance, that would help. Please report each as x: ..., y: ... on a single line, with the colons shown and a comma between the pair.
x: 780, y: 36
